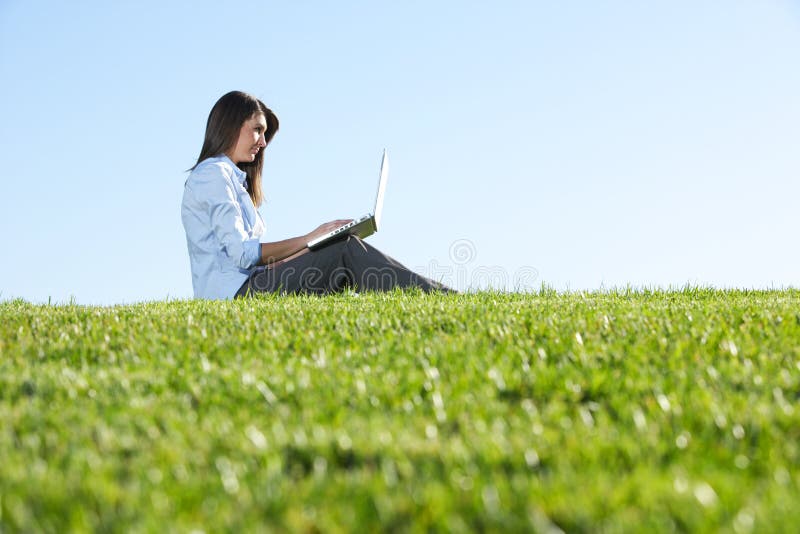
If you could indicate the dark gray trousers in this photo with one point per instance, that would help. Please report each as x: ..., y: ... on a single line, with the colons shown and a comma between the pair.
x: 345, y: 263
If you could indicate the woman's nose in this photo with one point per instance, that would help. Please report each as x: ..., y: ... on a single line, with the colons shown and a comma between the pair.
x: 262, y: 141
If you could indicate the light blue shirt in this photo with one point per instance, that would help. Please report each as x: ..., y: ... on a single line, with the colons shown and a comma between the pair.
x: 223, y: 228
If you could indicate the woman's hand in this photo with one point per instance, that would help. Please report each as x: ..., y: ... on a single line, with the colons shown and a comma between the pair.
x: 328, y: 227
x: 275, y: 253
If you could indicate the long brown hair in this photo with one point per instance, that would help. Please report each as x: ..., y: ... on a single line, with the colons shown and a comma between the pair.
x: 222, y: 131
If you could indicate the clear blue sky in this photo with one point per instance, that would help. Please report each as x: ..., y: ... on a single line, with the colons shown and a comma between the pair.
x: 581, y: 144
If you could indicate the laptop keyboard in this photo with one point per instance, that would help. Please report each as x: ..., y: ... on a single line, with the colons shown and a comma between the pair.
x: 345, y: 227
x: 350, y: 224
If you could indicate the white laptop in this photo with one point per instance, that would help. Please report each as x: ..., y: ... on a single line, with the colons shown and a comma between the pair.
x: 366, y: 225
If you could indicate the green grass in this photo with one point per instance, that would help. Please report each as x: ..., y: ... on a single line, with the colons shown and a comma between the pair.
x: 616, y: 411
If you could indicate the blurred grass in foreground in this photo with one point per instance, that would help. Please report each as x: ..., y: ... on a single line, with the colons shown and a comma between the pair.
x: 619, y: 410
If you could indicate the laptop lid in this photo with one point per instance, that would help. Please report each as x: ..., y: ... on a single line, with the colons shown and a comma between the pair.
x: 381, y: 189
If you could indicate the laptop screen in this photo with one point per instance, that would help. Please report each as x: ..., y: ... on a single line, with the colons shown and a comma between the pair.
x: 381, y: 188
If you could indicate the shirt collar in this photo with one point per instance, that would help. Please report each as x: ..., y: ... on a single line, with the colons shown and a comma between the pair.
x: 240, y: 174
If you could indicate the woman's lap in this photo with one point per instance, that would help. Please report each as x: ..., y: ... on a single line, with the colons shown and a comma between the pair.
x: 349, y: 262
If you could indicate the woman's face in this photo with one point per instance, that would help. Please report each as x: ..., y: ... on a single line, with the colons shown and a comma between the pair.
x: 251, y: 139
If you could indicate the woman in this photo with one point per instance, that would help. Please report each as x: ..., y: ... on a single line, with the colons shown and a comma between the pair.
x: 223, y: 226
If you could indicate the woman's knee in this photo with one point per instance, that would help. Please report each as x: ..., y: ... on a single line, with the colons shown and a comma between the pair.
x: 354, y: 242
x: 345, y: 246
x: 348, y: 242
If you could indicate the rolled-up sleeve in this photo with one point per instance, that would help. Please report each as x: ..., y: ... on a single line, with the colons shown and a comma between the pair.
x: 226, y: 218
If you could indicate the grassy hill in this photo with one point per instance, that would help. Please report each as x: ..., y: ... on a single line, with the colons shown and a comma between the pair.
x: 617, y: 411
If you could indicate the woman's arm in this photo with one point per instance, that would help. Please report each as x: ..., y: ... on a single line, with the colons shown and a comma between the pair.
x: 295, y: 246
